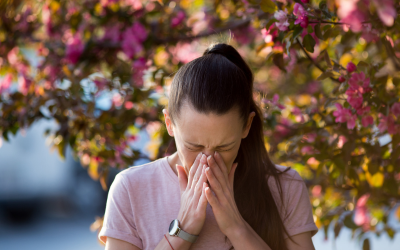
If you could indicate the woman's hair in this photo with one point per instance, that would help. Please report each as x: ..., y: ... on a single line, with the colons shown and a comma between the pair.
x: 215, y: 83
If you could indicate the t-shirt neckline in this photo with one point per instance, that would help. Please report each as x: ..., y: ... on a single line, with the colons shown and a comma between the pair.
x: 168, y: 169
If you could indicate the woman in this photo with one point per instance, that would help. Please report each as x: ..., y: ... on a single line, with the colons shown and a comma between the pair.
x: 219, y: 190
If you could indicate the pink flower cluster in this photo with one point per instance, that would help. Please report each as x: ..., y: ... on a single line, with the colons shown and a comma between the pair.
x: 282, y: 18
x: 178, y: 19
x: 361, y: 215
x: 349, y: 12
x: 133, y: 39
x: 301, y: 15
x: 358, y: 85
x: 274, y: 102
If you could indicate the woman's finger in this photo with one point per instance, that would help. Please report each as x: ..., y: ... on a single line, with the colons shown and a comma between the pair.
x: 193, y: 169
x: 199, y: 185
x: 221, y: 163
x: 202, y: 205
x: 215, y: 184
x: 197, y: 175
x: 211, y: 198
x: 216, y: 169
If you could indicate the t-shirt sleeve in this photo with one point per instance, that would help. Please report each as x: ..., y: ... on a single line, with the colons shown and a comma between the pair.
x: 299, y: 217
x: 118, y: 220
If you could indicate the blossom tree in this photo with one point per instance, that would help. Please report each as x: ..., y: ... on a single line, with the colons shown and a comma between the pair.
x: 326, y: 74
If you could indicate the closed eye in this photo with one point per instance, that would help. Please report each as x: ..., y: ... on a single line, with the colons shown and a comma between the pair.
x: 218, y: 150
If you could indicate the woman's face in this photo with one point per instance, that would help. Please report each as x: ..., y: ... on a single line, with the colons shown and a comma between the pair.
x: 195, y: 132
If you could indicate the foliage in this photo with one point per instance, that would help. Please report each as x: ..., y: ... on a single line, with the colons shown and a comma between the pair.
x: 334, y: 64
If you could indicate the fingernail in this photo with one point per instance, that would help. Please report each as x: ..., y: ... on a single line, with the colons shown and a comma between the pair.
x: 207, y: 168
x: 198, y: 156
x: 215, y: 153
x: 209, y: 157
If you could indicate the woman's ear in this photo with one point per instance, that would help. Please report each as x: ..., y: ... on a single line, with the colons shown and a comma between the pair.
x: 168, y: 122
x: 248, y: 125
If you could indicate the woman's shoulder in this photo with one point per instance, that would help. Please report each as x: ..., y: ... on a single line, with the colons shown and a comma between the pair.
x: 143, y: 171
x: 289, y: 179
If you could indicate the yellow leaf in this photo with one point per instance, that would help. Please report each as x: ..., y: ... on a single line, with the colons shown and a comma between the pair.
x: 345, y: 59
x: 398, y: 212
x: 92, y: 171
x: 268, y: 6
x: 375, y: 180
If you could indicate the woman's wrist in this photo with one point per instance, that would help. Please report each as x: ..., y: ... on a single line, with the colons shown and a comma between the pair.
x: 178, y: 243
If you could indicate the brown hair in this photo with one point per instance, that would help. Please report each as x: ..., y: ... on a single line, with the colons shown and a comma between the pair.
x: 216, y: 82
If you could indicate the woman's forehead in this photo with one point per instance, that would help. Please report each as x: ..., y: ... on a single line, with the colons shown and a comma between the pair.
x: 193, y: 124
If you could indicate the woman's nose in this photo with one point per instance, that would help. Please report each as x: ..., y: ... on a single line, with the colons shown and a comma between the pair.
x: 208, y: 152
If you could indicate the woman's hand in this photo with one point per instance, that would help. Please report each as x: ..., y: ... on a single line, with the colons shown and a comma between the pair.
x: 223, y: 202
x: 192, y: 213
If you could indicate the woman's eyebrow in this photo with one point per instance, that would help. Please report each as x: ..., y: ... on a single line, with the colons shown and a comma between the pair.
x: 220, y: 146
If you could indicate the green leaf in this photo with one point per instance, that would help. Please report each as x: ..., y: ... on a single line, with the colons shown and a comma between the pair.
x: 363, y: 66
x: 309, y: 43
x: 268, y: 6
x: 325, y: 75
x: 310, y: 29
x: 318, y: 32
x: 297, y: 31
x: 278, y: 61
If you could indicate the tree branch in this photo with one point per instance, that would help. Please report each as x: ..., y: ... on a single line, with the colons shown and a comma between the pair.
x: 312, y: 60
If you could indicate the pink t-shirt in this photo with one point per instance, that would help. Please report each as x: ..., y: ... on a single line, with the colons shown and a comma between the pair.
x: 143, y: 200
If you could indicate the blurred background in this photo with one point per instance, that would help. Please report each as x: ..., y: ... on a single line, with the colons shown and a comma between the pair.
x: 83, y: 83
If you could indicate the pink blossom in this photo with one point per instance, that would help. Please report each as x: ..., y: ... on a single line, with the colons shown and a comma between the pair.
x: 266, y: 35
x: 139, y: 66
x: 5, y: 83
x: 128, y: 105
x: 344, y: 115
x: 133, y: 38
x: 386, y: 11
x: 341, y: 141
x: 275, y: 102
x: 185, y: 52
x: 316, y: 190
x: 369, y: 34
x: 244, y: 35
x: 298, y: 114
x: 364, y: 110
x: 117, y: 100
x: 308, y: 150
x: 354, y: 98
x: 46, y: 18
x: 23, y: 84
x: 282, y: 18
x: 301, y: 15
x: 359, y: 82
x: 351, y: 67
x: 178, y: 19
x: 396, y: 109
x: 113, y: 33
x: 310, y: 137
x: 367, y: 120
x: 100, y: 83
x: 341, y: 79
x: 349, y: 13
x: 361, y: 216
x: 136, y: 4
x: 388, y: 123
x: 74, y: 49
x: 281, y: 129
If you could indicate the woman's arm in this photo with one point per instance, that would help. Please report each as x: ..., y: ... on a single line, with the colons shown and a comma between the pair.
x: 176, y: 242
